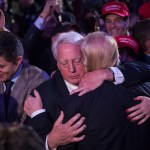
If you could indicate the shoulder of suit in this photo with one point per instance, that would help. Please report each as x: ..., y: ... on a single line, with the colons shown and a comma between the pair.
x: 33, y: 71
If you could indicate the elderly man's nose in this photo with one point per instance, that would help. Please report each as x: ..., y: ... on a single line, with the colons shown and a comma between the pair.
x: 72, y: 67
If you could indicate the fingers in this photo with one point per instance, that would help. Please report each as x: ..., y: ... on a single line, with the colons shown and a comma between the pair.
x: 134, y: 108
x: 36, y: 94
x: 78, y: 139
x: 134, y: 114
x: 81, y: 91
x: 78, y: 131
x: 84, y: 92
x: 139, y: 98
x: 143, y: 120
x: 138, y: 117
x: 73, y: 119
x: 79, y: 123
x: 78, y: 127
x: 76, y: 91
x: 141, y: 117
x: 60, y: 118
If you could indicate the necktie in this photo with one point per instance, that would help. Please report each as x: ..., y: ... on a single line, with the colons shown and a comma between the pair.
x: 7, y: 92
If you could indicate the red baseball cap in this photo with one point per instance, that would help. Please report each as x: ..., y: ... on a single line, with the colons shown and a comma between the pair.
x: 118, y: 8
x: 144, y: 10
x: 128, y: 41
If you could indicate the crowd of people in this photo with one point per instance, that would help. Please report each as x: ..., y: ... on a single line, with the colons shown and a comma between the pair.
x: 77, y: 73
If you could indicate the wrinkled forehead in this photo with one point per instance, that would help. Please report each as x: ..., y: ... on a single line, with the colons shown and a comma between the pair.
x: 68, y: 51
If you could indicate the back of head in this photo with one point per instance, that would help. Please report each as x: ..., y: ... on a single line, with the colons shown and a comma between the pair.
x: 144, y: 10
x: 141, y: 32
x: 67, y: 37
x: 10, y: 46
x: 17, y: 137
x: 100, y: 50
x: 65, y: 27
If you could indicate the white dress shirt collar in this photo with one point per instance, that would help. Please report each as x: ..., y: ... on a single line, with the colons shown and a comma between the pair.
x: 70, y: 86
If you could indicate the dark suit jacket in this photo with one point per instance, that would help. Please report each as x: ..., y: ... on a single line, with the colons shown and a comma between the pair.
x: 52, y: 93
x: 137, y: 77
x: 135, y: 73
x: 38, y: 50
x: 107, y: 125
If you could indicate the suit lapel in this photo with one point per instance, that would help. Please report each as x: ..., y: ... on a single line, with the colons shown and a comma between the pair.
x: 60, y: 85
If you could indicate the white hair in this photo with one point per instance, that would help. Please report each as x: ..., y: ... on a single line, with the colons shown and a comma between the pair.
x: 67, y: 37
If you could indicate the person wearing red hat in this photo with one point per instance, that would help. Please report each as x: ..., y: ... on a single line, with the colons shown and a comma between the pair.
x: 128, y: 48
x: 116, y: 17
x: 144, y: 10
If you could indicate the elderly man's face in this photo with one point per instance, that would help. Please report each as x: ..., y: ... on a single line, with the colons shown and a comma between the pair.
x: 116, y: 25
x: 70, y: 62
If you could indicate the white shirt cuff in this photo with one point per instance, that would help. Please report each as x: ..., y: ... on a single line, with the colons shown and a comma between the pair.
x: 119, y: 78
x: 37, y: 112
x: 40, y: 23
x: 46, y: 144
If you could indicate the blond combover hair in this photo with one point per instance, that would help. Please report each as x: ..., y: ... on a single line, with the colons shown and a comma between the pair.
x: 100, y: 50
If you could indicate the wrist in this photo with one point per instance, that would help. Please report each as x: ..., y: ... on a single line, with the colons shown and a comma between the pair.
x: 51, y: 142
x: 109, y: 76
x: 43, y: 15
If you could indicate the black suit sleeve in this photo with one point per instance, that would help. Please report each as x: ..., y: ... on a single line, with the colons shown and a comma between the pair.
x: 135, y: 73
x: 31, y: 38
x: 41, y: 123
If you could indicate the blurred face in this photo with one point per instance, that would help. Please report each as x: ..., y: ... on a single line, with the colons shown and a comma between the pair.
x: 8, y: 69
x: 116, y: 25
x: 126, y: 55
x: 25, y: 3
x: 49, y: 26
x: 3, y: 5
x: 70, y: 62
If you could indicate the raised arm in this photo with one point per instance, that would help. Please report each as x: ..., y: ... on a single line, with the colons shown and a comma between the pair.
x: 35, y: 31
x: 130, y: 74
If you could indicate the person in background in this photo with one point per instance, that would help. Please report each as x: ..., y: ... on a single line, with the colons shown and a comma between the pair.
x: 17, y: 80
x: 128, y: 48
x: 17, y: 137
x: 144, y: 11
x: 141, y: 32
x: 37, y: 41
x: 116, y: 18
x: 26, y: 15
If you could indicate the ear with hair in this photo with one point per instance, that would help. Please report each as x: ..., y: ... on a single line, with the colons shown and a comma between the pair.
x: 19, y: 60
